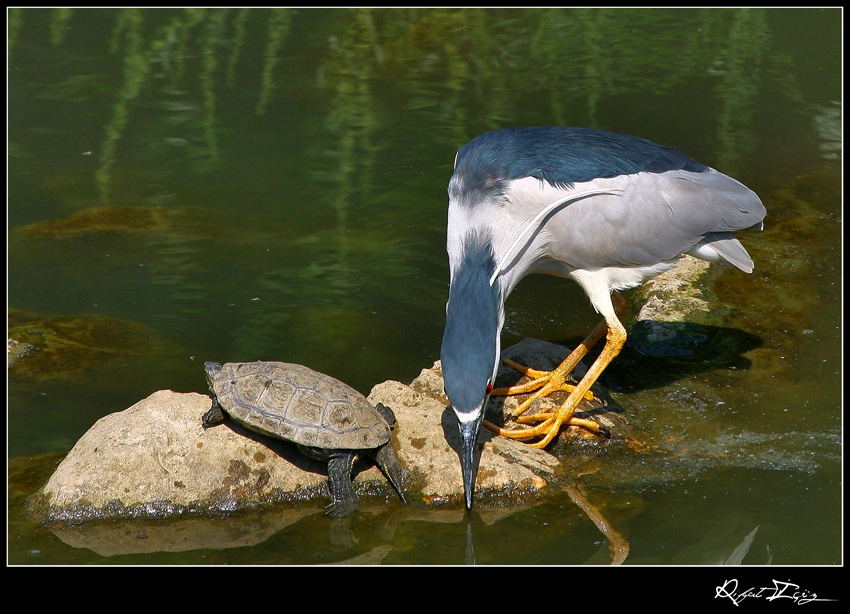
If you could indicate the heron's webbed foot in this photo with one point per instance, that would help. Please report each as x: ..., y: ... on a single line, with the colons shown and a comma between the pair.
x: 543, y: 383
x: 549, y: 427
x: 548, y: 424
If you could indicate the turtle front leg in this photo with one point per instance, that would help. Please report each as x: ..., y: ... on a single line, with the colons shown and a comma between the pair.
x: 214, y: 416
x: 344, y: 501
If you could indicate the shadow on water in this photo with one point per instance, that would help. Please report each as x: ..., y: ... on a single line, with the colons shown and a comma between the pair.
x: 657, y: 354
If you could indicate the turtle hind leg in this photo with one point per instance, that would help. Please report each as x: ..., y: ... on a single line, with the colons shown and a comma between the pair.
x: 385, y: 455
x: 344, y: 501
x: 388, y: 462
x: 386, y: 413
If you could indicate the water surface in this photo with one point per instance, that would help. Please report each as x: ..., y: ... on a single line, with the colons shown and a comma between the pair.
x: 296, y: 164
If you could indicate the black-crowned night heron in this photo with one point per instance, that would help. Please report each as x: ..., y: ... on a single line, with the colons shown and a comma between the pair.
x: 606, y: 210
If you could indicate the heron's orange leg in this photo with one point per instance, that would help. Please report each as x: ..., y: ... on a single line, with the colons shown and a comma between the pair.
x: 550, y: 423
x: 538, y: 380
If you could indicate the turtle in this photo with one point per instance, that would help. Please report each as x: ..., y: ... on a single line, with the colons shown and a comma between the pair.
x: 327, y: 419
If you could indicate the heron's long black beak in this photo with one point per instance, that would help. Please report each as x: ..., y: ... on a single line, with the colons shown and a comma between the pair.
x: 469, y: 437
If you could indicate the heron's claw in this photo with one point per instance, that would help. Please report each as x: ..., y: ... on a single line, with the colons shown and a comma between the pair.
x: 548, y: 423
x: 549, y: 427
x: 544, y: 383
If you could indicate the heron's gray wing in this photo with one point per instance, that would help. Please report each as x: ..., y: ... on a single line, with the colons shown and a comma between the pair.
x: 643, y: 219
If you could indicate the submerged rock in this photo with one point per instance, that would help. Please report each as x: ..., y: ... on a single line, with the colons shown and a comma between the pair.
x: 61, y: 348
x: 108, y: 218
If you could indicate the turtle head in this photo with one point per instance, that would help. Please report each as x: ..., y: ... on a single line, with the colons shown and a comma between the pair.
x: 212, y: 369
x: 215, y: 415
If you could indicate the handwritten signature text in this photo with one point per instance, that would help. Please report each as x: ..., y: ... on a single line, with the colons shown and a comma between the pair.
x: 779, y: 590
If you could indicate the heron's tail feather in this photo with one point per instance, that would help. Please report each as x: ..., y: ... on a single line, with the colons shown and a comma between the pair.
x: 723, y: 246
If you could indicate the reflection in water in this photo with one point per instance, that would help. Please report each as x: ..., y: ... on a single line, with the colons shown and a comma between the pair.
x: 617, y: 543
x: 279, y: 23
x: 827, y: 123
x: 571, y: 62
x: 742, y: 549
x: 470, y: 546
x: 372, y: 534
x: 737, y: 90
x: 112, y: 538
x: 726, y: 540
x: 374, y: 557
x: 136, y: 66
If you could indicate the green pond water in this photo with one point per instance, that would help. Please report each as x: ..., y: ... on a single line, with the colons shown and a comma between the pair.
x: 244, y: 184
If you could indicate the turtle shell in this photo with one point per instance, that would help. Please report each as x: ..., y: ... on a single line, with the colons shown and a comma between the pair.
x: 298, y: 404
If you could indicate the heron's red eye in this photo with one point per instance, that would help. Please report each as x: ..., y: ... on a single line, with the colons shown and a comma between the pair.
x: 489, y: 388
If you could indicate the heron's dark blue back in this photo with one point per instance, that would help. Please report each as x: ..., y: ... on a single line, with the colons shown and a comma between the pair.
x: 560, y: 155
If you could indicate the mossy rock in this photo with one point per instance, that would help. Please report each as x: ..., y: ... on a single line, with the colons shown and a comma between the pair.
x: 103, y: 219
x: 41, y: 347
